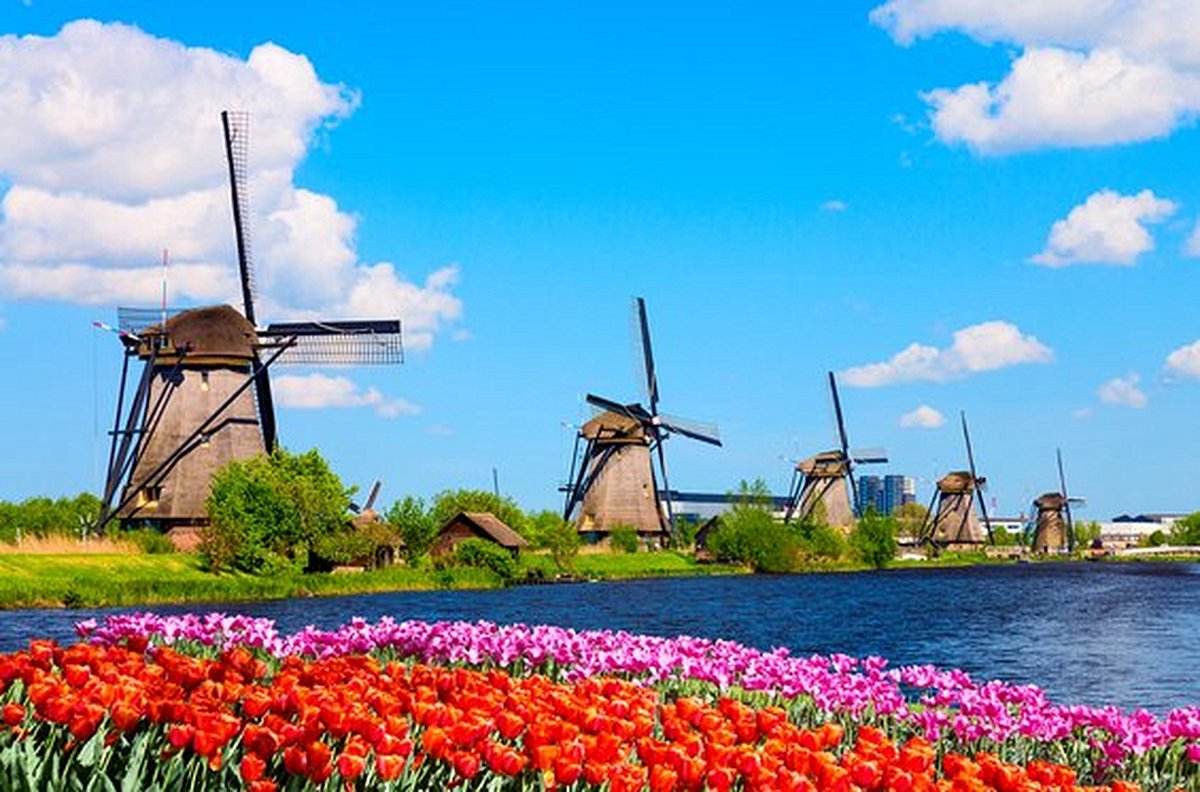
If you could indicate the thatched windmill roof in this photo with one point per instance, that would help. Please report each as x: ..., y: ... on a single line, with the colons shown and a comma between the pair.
x: 958, y: 481
x: 613, y: 427
x: 828, y: 464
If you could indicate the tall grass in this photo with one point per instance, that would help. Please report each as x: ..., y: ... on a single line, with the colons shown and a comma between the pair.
x: 64, y: 545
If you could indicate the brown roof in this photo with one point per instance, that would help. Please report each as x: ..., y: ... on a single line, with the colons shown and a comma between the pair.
x: 215, y: 331
x: 491, y: 525
x: 613, y: 426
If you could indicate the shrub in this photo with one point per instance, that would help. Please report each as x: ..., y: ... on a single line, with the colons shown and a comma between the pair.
x: 267, y: 512
x: 818, y: 540
x: 150, y: 541
x: 482, y: 554
x: 874, y: 539
x: 623, y: 538
x: 748, y: 533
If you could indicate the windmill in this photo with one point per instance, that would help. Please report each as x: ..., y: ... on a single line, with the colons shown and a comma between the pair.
x: 613, y: 480
x: 954, y: 522
x: 819, y: 483
x: 1054, y: 530
x: 203, y: 397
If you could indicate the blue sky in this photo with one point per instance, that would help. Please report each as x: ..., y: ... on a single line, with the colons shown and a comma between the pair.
x: 794, y: 188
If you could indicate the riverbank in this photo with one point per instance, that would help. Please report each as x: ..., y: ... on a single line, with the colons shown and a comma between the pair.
x: 96, y: 580
x: 117, y: 579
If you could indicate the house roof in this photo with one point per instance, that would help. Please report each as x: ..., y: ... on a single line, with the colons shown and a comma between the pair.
x: 491, y: 525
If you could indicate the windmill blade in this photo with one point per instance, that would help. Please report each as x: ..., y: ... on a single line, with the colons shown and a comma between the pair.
x: 646, y: 359
x: 704, y: 432
x: 371, y: 497
x: 837, y: 411
x: 341, y: 343
x: 976, y: 482
x: 635, y: 411
x: 868, y: 456
x: 1062, y: 481
x: 236, y: 127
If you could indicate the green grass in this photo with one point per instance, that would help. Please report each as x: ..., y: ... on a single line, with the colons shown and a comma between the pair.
x: 613, y: 566
x: 98, y: 580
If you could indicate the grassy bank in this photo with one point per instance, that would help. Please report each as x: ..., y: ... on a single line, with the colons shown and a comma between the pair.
x: 98, y: 579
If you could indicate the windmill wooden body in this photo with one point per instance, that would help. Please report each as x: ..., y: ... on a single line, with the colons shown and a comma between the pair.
x: 1054, y: 529
x: 613, y: 480
x: 204, y: 397
x: 953, y: 523
x: 823, y: 488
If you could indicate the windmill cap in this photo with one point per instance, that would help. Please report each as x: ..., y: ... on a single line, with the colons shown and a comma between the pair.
x: 213, y: 332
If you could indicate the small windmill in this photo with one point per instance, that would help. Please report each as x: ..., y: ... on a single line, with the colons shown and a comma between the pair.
x: 954, y: 522
x: 613, y: 480
x: 204, y: 396
x: 825, y: 481
x: 1054, y: 530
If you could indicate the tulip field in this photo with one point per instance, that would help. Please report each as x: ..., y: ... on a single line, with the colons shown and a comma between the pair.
x: 147, y: 702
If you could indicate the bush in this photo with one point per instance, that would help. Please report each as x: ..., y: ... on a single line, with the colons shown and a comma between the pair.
x: 266, y: 513
x: 415, y: 525
x: 874, y: 539
x: 623, y: 538
x: 818, y: 540
x: 150, y: 541
x: 482, y: 554
x: 1186, y: 532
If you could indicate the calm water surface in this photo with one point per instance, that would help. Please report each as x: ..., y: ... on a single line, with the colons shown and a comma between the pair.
x: 1124, y: 634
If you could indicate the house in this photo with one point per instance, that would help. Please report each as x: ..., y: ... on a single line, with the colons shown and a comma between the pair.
x: 476, y: 525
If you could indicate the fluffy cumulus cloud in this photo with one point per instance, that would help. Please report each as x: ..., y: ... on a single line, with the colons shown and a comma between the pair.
x: 1107, y: 228
x: 982, y: 347
x: 1087, y: 72
x: 316, y: 391
x: 1123, y: 392
x: 924, y: 417
x: 119, y: 155
x: 1184, y: 363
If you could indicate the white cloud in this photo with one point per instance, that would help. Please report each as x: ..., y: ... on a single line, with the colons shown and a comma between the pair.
x: 1192, y: 246
x: 982, y: 347
x: 1081, y: 413
x: 119, y: 154
x: 834, y: 205
x: 1123, y: 391
x: 1089, y: 73
x: 1185, y: 361
x: 924, y: 417
x: 1107, y: 228
x: 1054, y: 97
x: 318, y: 391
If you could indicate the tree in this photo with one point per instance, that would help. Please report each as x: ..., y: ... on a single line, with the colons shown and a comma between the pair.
x: 874, y: 539
x: 1086, y: 532
x: 549, y: 531
x: 748, y: 533
x: 1186, y: 531
x: 910, y: 519
x: 448, y: 503
x: 267, y: 513
x: 623, y: 538
x: 415, y: 525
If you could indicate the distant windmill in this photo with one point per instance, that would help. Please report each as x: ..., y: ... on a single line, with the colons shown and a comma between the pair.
x: 1054, y: 530
x: 204, y: 397
x: 825, y: 481
x: 954, y: 521
x: 613, y: 479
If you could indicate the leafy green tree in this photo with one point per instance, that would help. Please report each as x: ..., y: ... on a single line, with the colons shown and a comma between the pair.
x: 549, y: 531
x: 748, y: 533
x: 1187, y: 530
x: 1086, y: 532
x: 820, y: 541
x: 43, y: 517
x: 1156, y: 539
x: 267, y: 513
x: 448, y: 503
x: 874, y: 539
x: 910, y: 519
x: 415, y: 525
